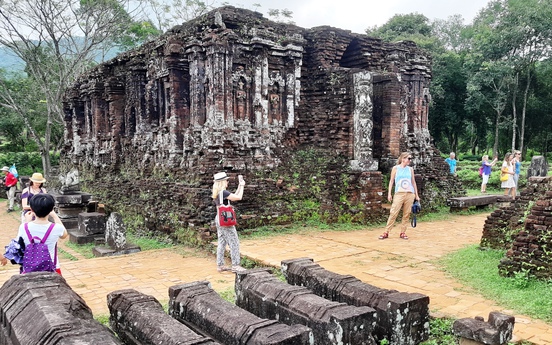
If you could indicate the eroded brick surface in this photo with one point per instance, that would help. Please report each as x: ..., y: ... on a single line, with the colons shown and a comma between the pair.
x: 234, y: 91
x: 402, y: 318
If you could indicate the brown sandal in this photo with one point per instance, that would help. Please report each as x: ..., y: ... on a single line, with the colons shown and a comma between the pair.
x: 384, y: 236
x: 403, y: 236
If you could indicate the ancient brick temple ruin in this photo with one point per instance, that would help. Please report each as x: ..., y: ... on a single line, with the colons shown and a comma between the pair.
x: 305, y: 114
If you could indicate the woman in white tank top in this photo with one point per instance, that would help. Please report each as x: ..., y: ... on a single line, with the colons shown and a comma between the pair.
x: 406, y: 191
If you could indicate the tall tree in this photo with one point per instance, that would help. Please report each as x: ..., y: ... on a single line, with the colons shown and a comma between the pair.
x: 526, y: 27
x: 413, y: 27
x: 28, y: 107
x: 57, y: 40
x: 491, y: 85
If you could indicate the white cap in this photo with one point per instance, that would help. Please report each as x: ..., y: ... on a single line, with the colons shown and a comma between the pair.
x: 220, y: 176
x: 5, y: 169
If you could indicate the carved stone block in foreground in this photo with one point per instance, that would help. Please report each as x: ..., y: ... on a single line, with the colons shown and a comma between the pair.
x: 202, y: 309
x: 115, y: 238
x: 496, y: 331
x: 139, y: 319
x: 92, y: 223
x: 402, y: 318
x: 538, y: 167
x: 331, y: 322
x: 41, y: 309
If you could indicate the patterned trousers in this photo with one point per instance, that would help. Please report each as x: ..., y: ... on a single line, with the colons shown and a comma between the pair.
x: 227, y: 235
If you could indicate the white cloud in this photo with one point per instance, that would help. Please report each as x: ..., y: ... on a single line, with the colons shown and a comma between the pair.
x: 357, y: 15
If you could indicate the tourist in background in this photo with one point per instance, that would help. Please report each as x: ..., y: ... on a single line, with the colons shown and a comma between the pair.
x: 10, y: 183
x: 406, y: 191
x: 227, y: 234
x: 452, y: 163
x: 517, y: 169
x: 35, y: 187
x: 42, y: 208
x: 508, y: 169
x: 487, y: 167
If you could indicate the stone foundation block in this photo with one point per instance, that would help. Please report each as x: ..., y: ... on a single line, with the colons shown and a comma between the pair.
x: 106, y: 251
x: 402, y: 318
x: 202, y: 309
x: 92, y: 223
x: 139, y: 319
x: 77, y: 237
x: 70, y: 212
x: 41, y: 309
x: 73, y: 198
x: 71, y: 223
x: 331, y: 322
x: 496, y: 331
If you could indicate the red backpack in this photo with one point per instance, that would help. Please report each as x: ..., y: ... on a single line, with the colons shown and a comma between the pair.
x: 226, y: 213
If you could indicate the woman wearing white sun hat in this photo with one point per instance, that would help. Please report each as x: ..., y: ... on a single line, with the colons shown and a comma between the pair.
x: 227, y: 234
x: 35, y: 187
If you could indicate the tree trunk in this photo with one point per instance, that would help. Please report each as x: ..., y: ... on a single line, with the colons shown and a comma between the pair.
x: 495, y: 146
x: 45, y: 152
x: 514, y: 111
x: 525, y: 96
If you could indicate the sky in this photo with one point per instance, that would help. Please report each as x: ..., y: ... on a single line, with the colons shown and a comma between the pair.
x: 358, y: 15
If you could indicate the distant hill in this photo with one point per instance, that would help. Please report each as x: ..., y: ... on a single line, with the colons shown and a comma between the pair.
x: 10, y: 62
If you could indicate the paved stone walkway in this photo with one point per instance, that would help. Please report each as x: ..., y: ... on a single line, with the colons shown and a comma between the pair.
x: 392, y: 264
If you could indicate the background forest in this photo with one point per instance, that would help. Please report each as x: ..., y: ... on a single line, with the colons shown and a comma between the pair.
x: 491, y: 89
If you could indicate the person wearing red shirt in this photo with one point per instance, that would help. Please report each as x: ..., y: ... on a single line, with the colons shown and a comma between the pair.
x: 10, y: 182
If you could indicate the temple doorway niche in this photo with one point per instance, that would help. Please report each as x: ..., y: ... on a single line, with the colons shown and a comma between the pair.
x: 132, y: 122
x: 276, y: 99
x: 241, y: 93
x: 377, y: 116
x: 353, y: 57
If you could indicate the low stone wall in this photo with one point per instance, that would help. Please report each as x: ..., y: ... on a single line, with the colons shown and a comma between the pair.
x: 496, y: 331
x: 531, y: 250
x: 318, y: 186
x: 41, y: 309
x: 139, y: 319
x: 402, y: 318
x: 200, y: 307
x: 332, y: 323
x: 504, y: 224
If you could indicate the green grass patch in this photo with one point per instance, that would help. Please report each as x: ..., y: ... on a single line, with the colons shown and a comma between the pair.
x: 301, y: 228
x: 83, y: 249
x: 66, y: 255
x: 478, y: 270
x: 440, y: 332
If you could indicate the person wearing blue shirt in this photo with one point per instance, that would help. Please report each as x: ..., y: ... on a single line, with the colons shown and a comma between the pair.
x: 517, y: 167
x: 486, y: 171
x: 452, y: 163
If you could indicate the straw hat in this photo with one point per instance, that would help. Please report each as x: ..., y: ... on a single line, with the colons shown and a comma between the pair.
x: 37, y: 178
x: 221, y: 176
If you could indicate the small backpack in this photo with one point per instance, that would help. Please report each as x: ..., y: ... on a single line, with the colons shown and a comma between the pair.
x: 226, y: 213
x: 13, y: 170
x: 481, y: 171
x: 37, y: 257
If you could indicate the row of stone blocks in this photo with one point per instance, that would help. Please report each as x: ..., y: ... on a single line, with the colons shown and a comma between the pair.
x: 268, y: 311
x: 40, y: 308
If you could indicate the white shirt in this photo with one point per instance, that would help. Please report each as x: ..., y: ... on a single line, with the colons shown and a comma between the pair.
x: 39, y: 230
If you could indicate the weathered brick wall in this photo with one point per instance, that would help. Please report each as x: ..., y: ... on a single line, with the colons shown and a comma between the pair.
x: 531, y: 243
x: 504, y: 224
x: 234, y: 91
